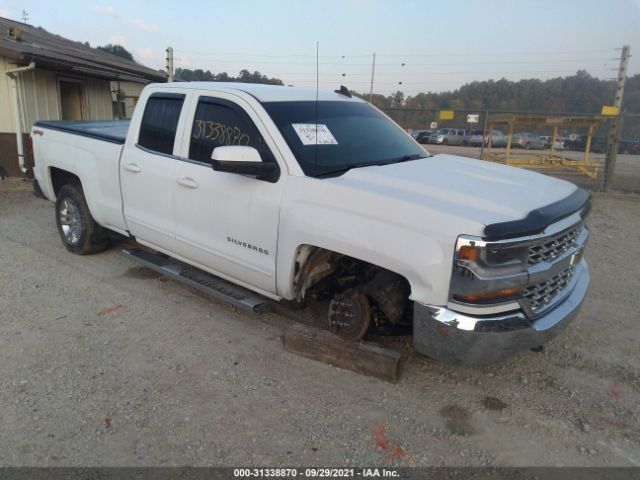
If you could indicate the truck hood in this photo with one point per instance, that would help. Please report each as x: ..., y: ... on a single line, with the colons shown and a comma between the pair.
x: 477, y: 193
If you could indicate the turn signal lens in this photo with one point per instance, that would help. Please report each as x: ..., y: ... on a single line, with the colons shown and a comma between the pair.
x: 470, y: 254
x: 489, y: 297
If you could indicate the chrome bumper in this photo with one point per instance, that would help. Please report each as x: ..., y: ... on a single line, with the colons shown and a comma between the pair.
x: 461, y: 339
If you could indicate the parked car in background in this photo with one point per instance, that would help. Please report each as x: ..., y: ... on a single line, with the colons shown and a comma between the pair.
x: 438, y: 136
x: 528, y: 141
x: 547, y: 140
x: 559, y: 144
x: 470, y: 133
x: 415, y: 133
x: 447, y: 136
x: 498, y: 139
x: 631, y: 147
x: 423, y: 136
x: 598, y: 144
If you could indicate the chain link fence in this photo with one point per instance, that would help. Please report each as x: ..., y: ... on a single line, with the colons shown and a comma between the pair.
x: 626, y: 176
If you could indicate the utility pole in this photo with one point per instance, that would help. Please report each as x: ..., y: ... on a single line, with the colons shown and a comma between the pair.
x: 614, y: 127
x: 169, y: 64
x: 484, y: 134
x: 25, y: 16
x: 373, y: 71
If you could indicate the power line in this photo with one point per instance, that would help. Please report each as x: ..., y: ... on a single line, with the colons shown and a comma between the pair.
x: 267, y: 62
x: 414, y: 74
x: 266, y: 54
x: 399, y: 55
x: 495, y: 54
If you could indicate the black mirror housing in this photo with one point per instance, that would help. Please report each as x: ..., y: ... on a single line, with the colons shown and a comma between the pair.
x: 268, y: 171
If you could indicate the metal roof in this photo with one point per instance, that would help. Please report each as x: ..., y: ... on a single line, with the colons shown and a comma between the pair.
x: 52, y: 51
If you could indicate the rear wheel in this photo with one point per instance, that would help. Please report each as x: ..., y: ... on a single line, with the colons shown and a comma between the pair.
x: 78, y: 231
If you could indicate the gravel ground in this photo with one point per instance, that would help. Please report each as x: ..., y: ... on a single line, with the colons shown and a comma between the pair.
x: 105, y: 363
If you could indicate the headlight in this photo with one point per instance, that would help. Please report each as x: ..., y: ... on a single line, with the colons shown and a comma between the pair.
x: 479, y: 258
x: 488, y: 273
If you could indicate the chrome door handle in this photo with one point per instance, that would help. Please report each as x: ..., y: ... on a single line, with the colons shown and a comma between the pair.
x: 187, y: 182
x: 132, y: 167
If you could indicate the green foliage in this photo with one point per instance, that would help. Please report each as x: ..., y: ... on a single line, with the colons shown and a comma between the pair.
x: 117, y: 50
x: 199, y: 75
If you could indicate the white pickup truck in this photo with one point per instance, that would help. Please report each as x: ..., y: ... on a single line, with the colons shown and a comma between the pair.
x: 256, y: 192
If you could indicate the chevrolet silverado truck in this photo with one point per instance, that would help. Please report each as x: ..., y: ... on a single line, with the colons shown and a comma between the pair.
x: 257, y: 193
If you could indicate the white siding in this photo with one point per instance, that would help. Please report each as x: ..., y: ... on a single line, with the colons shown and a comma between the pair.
x: 39, y: 94
x: 7, y: 122
x: 99, y: 99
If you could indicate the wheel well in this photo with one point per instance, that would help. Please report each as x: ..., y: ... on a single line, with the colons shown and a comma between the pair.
x: 61, y: 177
x: 324, y: 272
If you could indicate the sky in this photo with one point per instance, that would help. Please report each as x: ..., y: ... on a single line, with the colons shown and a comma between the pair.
x: 420, y: 46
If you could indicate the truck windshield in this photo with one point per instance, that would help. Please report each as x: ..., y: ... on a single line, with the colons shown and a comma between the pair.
x: 349, y: 135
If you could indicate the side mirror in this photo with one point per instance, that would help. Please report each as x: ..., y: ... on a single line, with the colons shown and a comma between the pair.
x: 243, y: 161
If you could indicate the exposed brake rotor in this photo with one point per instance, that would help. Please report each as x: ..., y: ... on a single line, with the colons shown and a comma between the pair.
x: 350, y: 316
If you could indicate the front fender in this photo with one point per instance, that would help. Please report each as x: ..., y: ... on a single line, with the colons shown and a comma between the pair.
x: 424, y: 260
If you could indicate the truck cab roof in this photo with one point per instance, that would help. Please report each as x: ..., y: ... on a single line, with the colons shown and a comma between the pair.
x: 263, y: 93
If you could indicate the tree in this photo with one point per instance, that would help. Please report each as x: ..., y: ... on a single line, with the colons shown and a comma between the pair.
x: 117, y: 50
x: 397, y: 99
x: 199, y: 75
x: 579, y: 93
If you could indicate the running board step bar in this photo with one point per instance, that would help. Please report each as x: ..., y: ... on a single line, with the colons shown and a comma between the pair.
x: 196, y: 278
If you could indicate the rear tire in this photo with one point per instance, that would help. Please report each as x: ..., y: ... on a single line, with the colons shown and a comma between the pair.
x: 78, y: 231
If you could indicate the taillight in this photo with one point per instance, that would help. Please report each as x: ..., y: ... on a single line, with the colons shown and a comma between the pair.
x: 31, y: 159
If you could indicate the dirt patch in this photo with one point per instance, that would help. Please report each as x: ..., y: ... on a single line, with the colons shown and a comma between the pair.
x: 457, y: 420
x: 493, y: 403
x: 142, y: 273
x: 15, y: 184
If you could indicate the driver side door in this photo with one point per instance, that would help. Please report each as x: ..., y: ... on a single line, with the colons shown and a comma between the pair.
x: 226, y: 223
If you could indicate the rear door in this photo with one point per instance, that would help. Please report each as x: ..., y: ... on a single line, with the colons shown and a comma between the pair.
x: 147, y: 171
x: 227, y: 223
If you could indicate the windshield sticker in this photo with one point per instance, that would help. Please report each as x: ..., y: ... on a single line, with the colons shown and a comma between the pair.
x: 307, y: 134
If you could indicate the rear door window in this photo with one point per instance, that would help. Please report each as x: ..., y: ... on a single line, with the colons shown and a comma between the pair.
x: 159, y: 122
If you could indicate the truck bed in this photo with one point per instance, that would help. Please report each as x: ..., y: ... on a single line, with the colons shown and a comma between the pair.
x: 114, y: 131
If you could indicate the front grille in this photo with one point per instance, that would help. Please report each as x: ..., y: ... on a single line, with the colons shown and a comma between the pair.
x: 551, y: 247
x: 540, y: 295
